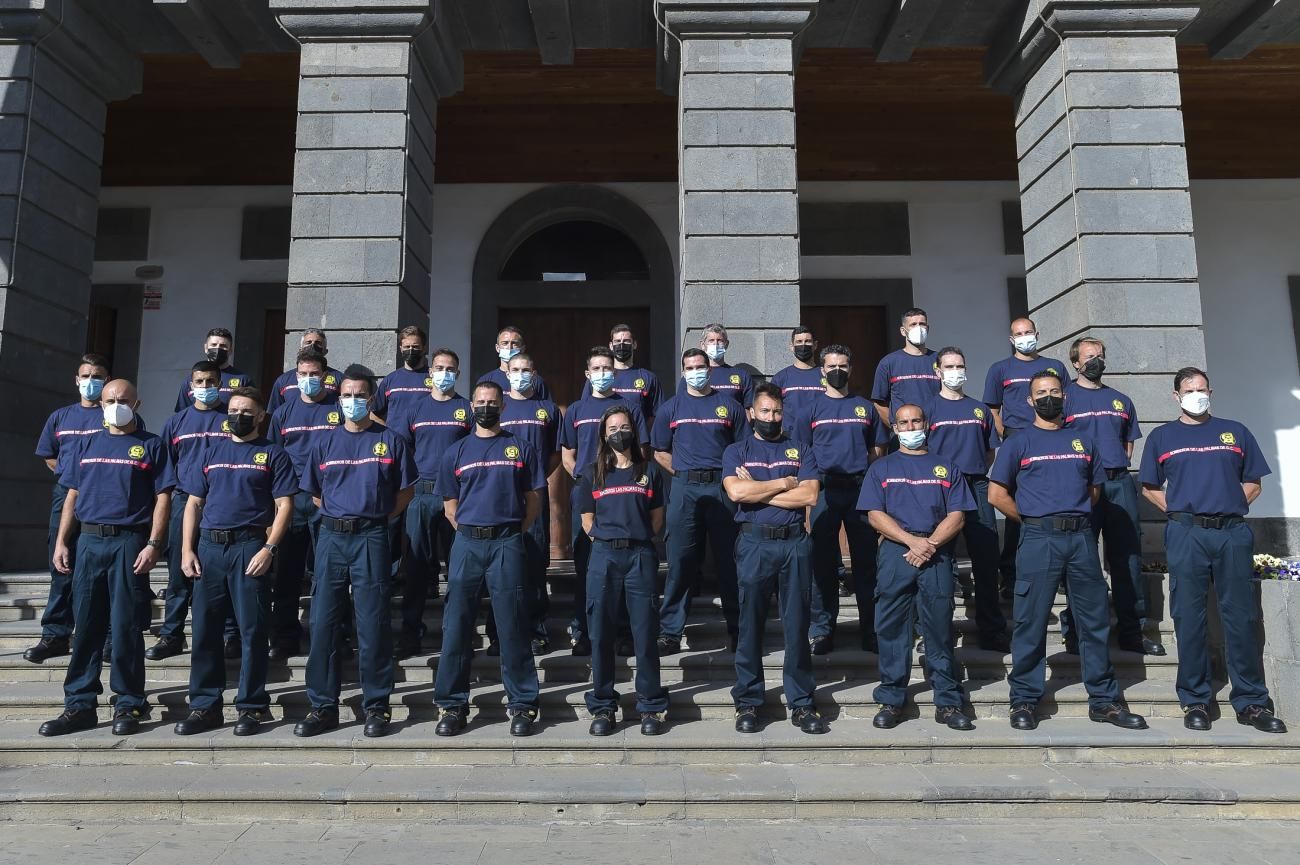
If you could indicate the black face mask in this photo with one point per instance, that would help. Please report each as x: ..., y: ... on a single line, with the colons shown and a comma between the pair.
x: 620, y: 441
x: 768, y: 429
x: 241, y: 424
x: 1093, y: 369
x: 218, y: 356
x: 316, y: 346
x: 412, y: 357
x: 487, y: 416
x: 803, y: 353
x: 1049, y: 407
x: 622, y: 351
x: 837, y: 378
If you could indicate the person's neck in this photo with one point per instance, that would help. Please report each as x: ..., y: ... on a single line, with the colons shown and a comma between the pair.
x: 1050, y: 425
x: 1194, y: 420
x: 523, y: 394
x: 606, y: 395
x: 202, y: 406
x: 717, y: 364
x: 311, y: 400
x: 916, y: 350
x: 122, y: 430
x: 490, y: 432
x: 358, y: 426
x: 771, y: 441
x: 618, y: 364
x: 799, y: 364
x: 439, y: 396
x: 913, y: 452
x: 622, y: 460
x: 700, y: 391
x: 251, y: 437
x: 1084, y: 382
x: 837, y: 394
x: 1020, y: 355
x: 949, y: 393
x: 504, y: 366
x: 89, y: 403
x: 421, y: 368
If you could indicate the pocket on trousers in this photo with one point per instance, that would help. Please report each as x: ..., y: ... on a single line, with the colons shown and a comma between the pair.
x: 1023, y: 587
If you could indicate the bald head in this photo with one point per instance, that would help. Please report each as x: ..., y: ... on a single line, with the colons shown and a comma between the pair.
x: 120, y: 390
x: 1022, y: 326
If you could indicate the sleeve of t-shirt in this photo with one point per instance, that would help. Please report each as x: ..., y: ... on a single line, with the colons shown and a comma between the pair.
x: 182, y: 398
x: 655, y: 395
x: 167, y: 436
x: 1253, y: 466
x: 872, y: 497
x: 198, y: 483
x: 284, y: 480
x: 882, y: 433
x: 1152, y: 472
x: 657, y: 498
x: 164, y: 475
x: 536, y: 469
x: 1007, y: 464
x: 274, y: 399
x: 404, y: 459
x: 1098, y: 470
x: 568, y: 433
x: 400, y: 424
x: 311, y: 479
x: 993, y: 387
x: 661, y: 435
x: 638, y: 420
x: 799, y: 426
x: 1134, y: 431
x: 740, y: 428
x: 748, y: 381
x: 550, y: 430
x: 446, y: 484
x: 379, y: 405
x: 990, y: 435
x: 277, y: 424
x: 731, y: 458
x: 959, y: 494
x: 47, y: 446
x: 808, y: 470
x: 880, y: 386
x: 586, y: 501
x: 543, y: 391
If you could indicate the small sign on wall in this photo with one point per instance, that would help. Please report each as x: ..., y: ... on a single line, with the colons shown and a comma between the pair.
x: 153, y: 297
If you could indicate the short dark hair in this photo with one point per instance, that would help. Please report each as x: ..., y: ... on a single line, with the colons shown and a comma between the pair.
x: 1188, y: 372
x: 1046, y: 373
x: 248, y: 393
x: 948, y: 349
x: 206, y: 366
x: 619, y: 328
x: 221, y: 332
x: 358, y: 372
x: 451, y: 354
x: 95, y: 360
x: 917, y: 406
x: 916, y: 310
x: 599, y: 351
x: 767, y: 389
x: 509, y: 328
x: 412, y: 330
x: 310, y: 355
x: 835, y: 348
x: 523, y: 355
x: 693, y: 352
x: 489, y: 383
x: 803, y: 328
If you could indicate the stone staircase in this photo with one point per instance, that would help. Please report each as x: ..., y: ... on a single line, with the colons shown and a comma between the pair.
x: 700, y: 768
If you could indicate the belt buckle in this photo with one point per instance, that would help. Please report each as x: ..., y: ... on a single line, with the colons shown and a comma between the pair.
x: 620, y: 544
x: 480, y: 533
x: 348, y: 527
x: 1212, y: 522
x: 222, y: 536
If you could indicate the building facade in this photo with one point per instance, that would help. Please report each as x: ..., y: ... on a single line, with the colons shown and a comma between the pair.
x: 1123, y: 168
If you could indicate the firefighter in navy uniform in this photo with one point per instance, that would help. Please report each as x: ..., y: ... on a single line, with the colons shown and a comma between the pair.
x: 917, y: 501
x: 621, y: 504
x: 773, y: 480
x: 119, y: 484
x: 218, y: 347
x: 1204, y: 471
x: 490, y: 485
x: 239, y: 511
x: 1055, y: 474
x: 285, y: 387
x: 361, y: 476
x: 801, y: 382
x: 510, y: 342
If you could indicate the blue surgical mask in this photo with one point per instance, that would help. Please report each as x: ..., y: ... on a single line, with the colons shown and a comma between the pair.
x: 90, y: 388
x: 521, y: 381
x: 696, y: 378
x: 507, y: 353
x: 444, y: 380
x: 206, y: 395
x: 602, y: 382
x: 355, y: 408
x: 310, y: 385
x: 912, y: 439
x: 715, y: 351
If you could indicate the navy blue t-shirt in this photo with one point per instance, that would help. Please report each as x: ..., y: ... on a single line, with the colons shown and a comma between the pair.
x: 1007, y: 386
x: 961, y: 430
x: 488, y: 478
x: 766, y: 461
x: 799, y: 387
x: 118, y: 477
x: 536, y: 421
x: 697, y: 429
x: 1049, y: 471
x: 580, y: 429
x: 1203, y: 465
x: 64, y: 428
x: 357, y: 475
x: 185, y: 433
x: 637, y: 384
x: 240, y: 481
x: 623, y: 504
x: 286, y: 388
x: 730, y: 380
x: 430, y: 427
x: 300, y: 426
x: 917, y: 490
x: 903, y: 378
x: 231, y: 378
x: 842, y: 432
x: 398, y: 386
x: 540, y: 389
x: 1107, y: 417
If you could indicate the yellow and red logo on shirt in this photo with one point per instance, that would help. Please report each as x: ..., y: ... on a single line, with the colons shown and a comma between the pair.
x: 1052, y: 370
x: 735, y: 379
x: 333, y: 417
x: 1228, y: 439
x: 1077, y: 445
x: 1117, y: 404
x: 428, y: 382
x: 381, y: 449
x: 512, y: 453
x: 720, y: 411
x: 979, y: 413
x: 860, y: 411
x: 459, y: 414
x: 541, y: 414
x: 260, y: 458
x: 644, y: 481
x: 135, y: 452
x: 792, y: 453
x: 225, y: 426
x: 824, y: 384
x: 329, y: 379
x: 234, y: 382
x: 941, y: 471
x: 639, y: 383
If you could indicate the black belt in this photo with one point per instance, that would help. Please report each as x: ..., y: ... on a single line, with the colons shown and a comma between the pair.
x: 99, y: 530
x: 1206, y: 521
x: 424, y: 488
x: 622, y: 543
x: 703, y: 476
x: 1060, y: 524
x: 488, y: 533
x: 231, y: 536
x: 1114, y: 474
x: 773, y: 533
x: 919, y: 534
x: 840, y: 480
x: 351, y: 527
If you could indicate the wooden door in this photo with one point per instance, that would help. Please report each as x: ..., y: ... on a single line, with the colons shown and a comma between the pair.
x: 862, y: 328
x: 272, y: 350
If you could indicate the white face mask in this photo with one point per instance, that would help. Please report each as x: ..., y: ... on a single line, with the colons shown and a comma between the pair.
x: 917, y: 334
x: 1026, y: 344
x: 118, y: 414
x: 716, y: 351
x: 1195, y: 403
x: 954, y: 378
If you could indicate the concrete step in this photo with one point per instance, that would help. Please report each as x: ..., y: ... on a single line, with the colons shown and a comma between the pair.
x: 1063, y: 740
x: 637, y: 793
x: 689, y: 700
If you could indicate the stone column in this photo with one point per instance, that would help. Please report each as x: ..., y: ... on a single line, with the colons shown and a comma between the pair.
x: 1109, y: 246
x: 59, y: 67
x: 371, y: 75
x: 738, y: 179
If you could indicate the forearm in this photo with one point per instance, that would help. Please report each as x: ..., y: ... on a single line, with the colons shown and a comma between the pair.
x: 665, y: 460
x: 1252, y: 491
x: 588, y: 520
x: 68, y: 517
x: 569, y: 457
x: 1155, y: 496
x: 162, y: 509
x: 889, y: 527
x: 532, y: 508
x: 756, y: 492
x: 402, y: 499
x: 1001, y: 499
x: 795, y: 499
x: 449, y: 511
x: 283, y: 520
x: 190, y: 525
x: 948, y: 529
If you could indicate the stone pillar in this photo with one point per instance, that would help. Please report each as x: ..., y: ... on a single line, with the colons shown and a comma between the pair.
x: 1109, y: 247
x: 738, y: 178
x: 371, y: 75
x: 59, y: 67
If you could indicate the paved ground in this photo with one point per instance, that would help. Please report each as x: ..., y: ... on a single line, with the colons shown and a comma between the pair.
x: 984, y: 842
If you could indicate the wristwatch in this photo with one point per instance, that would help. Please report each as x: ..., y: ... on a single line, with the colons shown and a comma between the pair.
x: 157, y: 545
x: 271, y: 548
